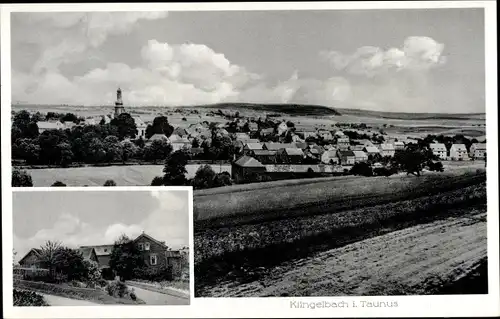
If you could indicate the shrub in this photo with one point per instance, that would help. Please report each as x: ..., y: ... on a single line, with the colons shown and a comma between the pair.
x: 382, y: 171
x: 102, y: 282
x: 109, y: 182
x: 24, y: 298
x: 116, y: 289
x: 157, y: 181
x: 93, y: 272
x: 21, y: 179
x: 154, y: 274
x: 362, y: 169
x: 132, y: 295
x: 58, y: 183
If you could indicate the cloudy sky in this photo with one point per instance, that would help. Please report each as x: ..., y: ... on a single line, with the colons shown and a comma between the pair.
x: 388, y: 60
x: 97, y: 218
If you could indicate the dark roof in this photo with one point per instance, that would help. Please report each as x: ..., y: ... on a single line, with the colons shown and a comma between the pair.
x: 86, y: 252
x: 152, y: 239
x: 346, y: 153
x: 247, y: 161
x: 253, y: 146
x: 101, y: 250
x: 264, y: 152
x: 294, y: 151
x: 302, y: 145
x: 277, y: 146
x: 36, y: 251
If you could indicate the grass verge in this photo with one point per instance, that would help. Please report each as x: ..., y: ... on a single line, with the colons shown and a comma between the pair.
x: 95, y: 295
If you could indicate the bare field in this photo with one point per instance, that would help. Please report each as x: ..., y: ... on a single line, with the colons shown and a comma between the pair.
x: 412, y: 261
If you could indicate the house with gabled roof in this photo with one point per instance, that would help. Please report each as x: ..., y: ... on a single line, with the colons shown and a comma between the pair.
x: 241, y: 136
x: 458, y: 152
x: 387, y: 149
x: 181, y: 143
x: 346, y: 157
x: 267, y: 131
x: 253, y: 127
x: 330, y: 157
x: 180, y: 131
x: 399, y: 145
x: 264, y: 156
x: 343, y: 142
x: 371, y: 150
x: 276, y: 146
x: 155, y: 253
x: 326, y: 135
x: 32, y: 259
x: 157, y: 137
x: 49, y: 125
x: 245, y: 166
x: 249, y: 147
x: 290, y: 155
x: 439, y: 150
x: 478, y: 150
x: 360, y: 156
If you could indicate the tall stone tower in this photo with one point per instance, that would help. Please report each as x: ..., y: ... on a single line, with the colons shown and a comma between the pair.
x: 119, y: 109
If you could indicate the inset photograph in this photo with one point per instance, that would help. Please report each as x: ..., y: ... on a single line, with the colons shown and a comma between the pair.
x: 111, y: 247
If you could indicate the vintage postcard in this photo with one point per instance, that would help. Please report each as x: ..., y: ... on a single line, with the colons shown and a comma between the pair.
x: 342, y: 158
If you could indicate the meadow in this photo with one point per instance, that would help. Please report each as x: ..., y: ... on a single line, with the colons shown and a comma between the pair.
x: 233, y: 205
x: 126, y: 175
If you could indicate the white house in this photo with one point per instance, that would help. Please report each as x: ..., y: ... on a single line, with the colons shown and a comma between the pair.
x: 182, y: 143
x: 371, y: 150
x: 330, y: 156
x: 45, y: 126
x: 327, y: 135
x: 458, y: 152
x: 438, y: 149
x: 478, y: 150
x: 343, y: 143
x: 387, y: 149
x: 360, y: 156
x: 399, y: 145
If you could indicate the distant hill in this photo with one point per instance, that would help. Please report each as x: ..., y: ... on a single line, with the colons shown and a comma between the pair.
x: 291, y: 109
x: 413, y: 116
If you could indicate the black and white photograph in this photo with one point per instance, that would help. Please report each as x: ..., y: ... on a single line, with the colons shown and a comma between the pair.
x: 90, y: 248
x: 345, y: 152
x: 315, y: 155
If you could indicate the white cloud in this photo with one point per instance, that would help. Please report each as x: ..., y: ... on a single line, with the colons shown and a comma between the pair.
x: 417, y: 53
x: 169, y: 222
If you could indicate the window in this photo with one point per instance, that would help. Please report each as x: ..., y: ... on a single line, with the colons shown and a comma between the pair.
x: 146, y: 246
x: 141, y: 246
x: 153, y: 259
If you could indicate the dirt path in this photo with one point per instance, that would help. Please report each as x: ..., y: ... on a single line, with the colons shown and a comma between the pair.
x: 61, y: 301
x: 410, y: 261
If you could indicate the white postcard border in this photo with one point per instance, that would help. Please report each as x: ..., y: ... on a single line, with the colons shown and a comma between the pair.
x: 425, y: 306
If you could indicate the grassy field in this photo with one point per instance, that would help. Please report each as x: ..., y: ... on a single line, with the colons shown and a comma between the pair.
x: 245, y: 253
x: 127, y: 175
x: 237, y: 205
